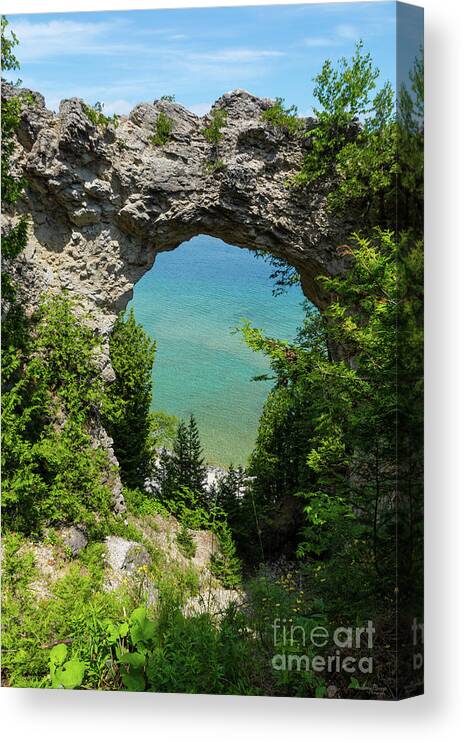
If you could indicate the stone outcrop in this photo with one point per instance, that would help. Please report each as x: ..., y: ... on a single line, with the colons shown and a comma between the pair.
x: 104, y: 200
x: 137, y: 566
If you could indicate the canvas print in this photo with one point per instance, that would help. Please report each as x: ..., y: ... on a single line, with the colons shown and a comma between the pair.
x: 212, y: 350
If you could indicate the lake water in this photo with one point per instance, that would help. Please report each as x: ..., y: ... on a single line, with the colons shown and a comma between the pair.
x: 190, y: 302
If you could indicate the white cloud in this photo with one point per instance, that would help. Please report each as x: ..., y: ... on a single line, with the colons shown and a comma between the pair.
x: 200, y: 109
x: 52, y: 38
x: 346, y: 31
x: 41, y: 40
x: 236, y: 55
x: 119, y: 106
x: 319, y: 41
x: 342, y: 33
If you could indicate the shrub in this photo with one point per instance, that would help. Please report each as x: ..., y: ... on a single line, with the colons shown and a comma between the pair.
x: 97, y: 117
x: 185, y: 542
x: 180, y: 654
x: 212, y: 132
x: 224, y: 564
x: 163, y: 130
x: 284, y: 118
x: 217, y: 166
x: 53, y: 395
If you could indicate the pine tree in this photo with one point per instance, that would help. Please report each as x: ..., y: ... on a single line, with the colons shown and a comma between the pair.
x: 128, y: 420
x: 184, y: 467
x: 180, y: 460
x: 230, y: 495
x: 230, y: 490
x: 197, y: 471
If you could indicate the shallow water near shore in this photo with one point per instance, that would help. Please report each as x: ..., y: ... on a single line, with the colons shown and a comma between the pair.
x: 190, y: 302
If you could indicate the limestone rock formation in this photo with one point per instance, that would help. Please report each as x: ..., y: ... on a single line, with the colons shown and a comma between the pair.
x: 103, y: 200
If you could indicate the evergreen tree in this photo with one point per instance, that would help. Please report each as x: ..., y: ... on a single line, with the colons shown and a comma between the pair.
x: 231, y: 495
x: 197, y: 471
x: 230, y: 489
x: 184, y: 466
x: 178, y: 463
x: 128, y: 419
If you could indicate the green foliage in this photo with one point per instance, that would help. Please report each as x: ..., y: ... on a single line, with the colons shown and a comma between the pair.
x: 9, y: 60
x: 270, y: 516
x: 73, y: 611
x: 339, y: 453
x: 353, y: 141
x: 224, y: 564
x: 282, y: 274
x: 284, y: 118
x: 180, y: 654
x: 14, y: 239
x: 216, y: 166
x: 285, y: 600
x: 163, y: 130
x: 410, y: 133
x: 163, y: 429
x: 69, y: 674
x: 17, y: 564
x: 185, y: 542
x: 128, y: 418
x: 228, y: 492
x: 97, y: 117
x: 213, y: 131
x: 52, y: 396
x: 214, y: 135
x: 112, y: 643
x: 194, y: 513
x: 367, y: 154
x: 139, y: 503
x: 184, y: 466
x: 338, y: 460
x: 13, y: 242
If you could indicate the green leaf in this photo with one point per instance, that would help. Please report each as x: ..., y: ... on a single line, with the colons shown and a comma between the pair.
x: 58, y: 654
x: 138, y: 615
x: 113, y: 633
x: 320, y: 692
x: 123, y: 629
x: 134, y: 681
x: 135, y: 660
x: 142, y: 629
x: 71, y: 675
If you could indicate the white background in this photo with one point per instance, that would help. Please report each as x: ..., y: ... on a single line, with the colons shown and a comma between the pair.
x: 67, y: 716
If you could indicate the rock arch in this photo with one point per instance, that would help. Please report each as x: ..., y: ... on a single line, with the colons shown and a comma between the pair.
x: 104, y: 200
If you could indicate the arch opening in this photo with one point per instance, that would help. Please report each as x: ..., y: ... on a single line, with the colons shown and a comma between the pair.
x: 190, y: 302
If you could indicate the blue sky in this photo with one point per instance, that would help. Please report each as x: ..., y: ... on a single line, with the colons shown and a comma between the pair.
x: 122, y: 58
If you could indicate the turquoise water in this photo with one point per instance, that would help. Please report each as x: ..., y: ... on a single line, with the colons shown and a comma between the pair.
x: 189, y: 302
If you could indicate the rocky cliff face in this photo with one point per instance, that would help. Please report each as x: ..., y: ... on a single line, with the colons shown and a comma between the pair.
x: 104, y: 200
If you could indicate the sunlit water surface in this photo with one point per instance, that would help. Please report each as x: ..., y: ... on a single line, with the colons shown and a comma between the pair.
x: 190, y: 302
